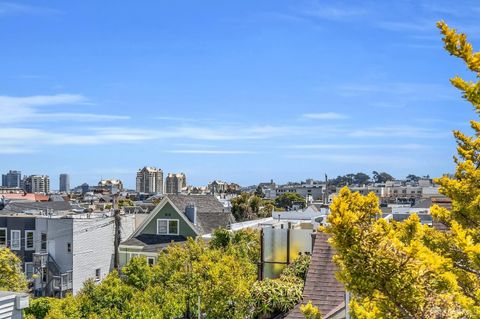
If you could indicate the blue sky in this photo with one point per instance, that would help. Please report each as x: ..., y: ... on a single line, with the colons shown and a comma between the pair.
x: 242, y: 91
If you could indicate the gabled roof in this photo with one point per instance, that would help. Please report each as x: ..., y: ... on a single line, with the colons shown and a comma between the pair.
x: 154, y: 212
x: 321, y: 286
x: 211, y: 213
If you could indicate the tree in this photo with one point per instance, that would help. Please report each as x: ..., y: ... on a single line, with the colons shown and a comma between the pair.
x: 382, y: 177
x: 412, y: 177
x: 12, y: 277
x: 310, y: 311
x: 361, y: 178
x: 245, y: 206
x: 406, y: 269
x: 287, y: 200
x: 350, y: 179
x: 268, y: 206
x: 220, y: 275
x: 259, y: 192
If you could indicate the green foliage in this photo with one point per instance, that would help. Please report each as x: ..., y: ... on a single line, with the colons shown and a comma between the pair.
x: 259, y: 192
x: 279, y: 295
x: 350, y: 179
x: 244, y: 243
x: 138, y: 273
x: 125, y: 202
x: 12, y: 277
x: 40, y: 307
x: 382, y: 177
x: 220, y: 274
x: 287, y: 200
x: 250, y: 206
x: 412, y: 177
x: 299, y: 267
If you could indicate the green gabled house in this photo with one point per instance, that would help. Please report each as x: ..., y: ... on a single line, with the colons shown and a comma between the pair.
x: 174, y: 219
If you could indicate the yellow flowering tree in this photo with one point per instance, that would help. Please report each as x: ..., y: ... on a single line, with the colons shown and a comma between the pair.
x: 11, y: 275
x: 406, y: 269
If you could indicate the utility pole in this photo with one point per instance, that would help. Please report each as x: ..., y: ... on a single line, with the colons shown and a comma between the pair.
x: 117, y: 234
x: 326, y: 190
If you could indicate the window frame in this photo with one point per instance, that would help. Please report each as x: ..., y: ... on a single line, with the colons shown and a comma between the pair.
x: 98, y: 274
x: 6, y: 237
x: 168, y: 220
x: 43, y: 242
x: 26, y: 269
x: 19, y: 246
x: 33, y: 239
x: 151, y: 258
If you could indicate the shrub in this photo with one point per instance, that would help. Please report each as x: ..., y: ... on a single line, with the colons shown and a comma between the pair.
x: 298, y: 267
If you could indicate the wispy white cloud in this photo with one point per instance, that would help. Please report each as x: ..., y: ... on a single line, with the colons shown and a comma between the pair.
x: 41, y: 100
x: 12, y: 8
x: 398, y: 131
x: 210, y: 152
x: 333, y: 12
x: 324, y: 116
x: 31, y: 109
x: 408, y: 91
x: 412, y: 25
x: 177, y: 118
x: 358, y: 146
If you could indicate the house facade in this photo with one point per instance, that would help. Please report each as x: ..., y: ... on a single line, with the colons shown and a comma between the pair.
x: 175, y: 218
x: 62, y: 249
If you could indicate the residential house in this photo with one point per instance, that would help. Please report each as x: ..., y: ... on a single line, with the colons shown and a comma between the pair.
x: 61, y: 247
x: 175, y: 218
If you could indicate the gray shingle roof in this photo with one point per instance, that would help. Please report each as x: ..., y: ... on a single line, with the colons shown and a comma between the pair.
x: 321, y: 286
x: 211, y: 213
x: 22, y: 206
x: 153, y: 243
x: 204, y: 203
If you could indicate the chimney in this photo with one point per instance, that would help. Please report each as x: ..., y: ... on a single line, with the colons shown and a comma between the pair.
x: 191, y: 212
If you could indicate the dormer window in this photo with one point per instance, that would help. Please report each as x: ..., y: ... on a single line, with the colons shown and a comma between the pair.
x: 167, y: 227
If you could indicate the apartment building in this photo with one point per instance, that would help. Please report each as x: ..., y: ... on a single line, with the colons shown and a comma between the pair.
x: 150, y: 180
x: 175, y: 182
x: 12, y: 179
x: 37, y: 184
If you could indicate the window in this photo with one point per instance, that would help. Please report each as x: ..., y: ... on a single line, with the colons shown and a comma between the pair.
x: 131, y: 255
x: 167, y: 226
x: 69, y: 247
x: 98, y: 273
x: 29, y: 240
x: 43, y: 242
x: 162, y: 226
x: 173, y: 227
x: 151, y: 261
x: 29, y: 270
x: 15, y: 240
x: 3, y: 237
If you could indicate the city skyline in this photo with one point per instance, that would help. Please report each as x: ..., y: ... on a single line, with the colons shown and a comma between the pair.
x: 242, y: 92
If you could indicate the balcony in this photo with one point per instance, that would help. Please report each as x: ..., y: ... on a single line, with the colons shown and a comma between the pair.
x: 63, y: 282
x: 40, y: 260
